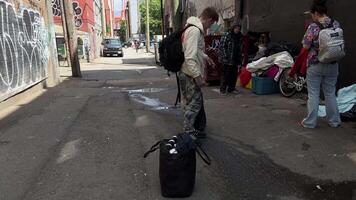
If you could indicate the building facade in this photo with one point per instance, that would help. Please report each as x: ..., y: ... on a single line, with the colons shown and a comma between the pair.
x: 109, y: 18
x: 93, y: 21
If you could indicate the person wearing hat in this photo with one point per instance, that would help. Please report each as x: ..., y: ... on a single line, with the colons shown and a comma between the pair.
x: 320, y: 74
x: 230, y: 51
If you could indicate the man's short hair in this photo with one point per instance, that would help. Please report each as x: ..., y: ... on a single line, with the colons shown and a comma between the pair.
x: 210, y: 12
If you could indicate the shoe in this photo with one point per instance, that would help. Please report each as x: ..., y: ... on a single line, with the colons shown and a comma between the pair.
x: 223, y: 93
x: 235, y: 92
x: 334, y: 125
x: 305, y: 126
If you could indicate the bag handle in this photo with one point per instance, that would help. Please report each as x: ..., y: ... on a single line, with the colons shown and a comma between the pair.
x: 152, y: 149
x: 203, y: 155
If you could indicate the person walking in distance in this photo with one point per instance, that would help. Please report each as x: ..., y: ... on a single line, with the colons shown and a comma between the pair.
x: 191, y: 75
x: 137, y: 45
x: 231, y: 58
x: 321, y: 73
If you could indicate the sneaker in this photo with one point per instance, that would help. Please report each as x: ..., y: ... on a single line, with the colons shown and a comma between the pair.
x: 305, y: 126
x: 223, y: 93
x: 235, y: 92
x: 334, y: 125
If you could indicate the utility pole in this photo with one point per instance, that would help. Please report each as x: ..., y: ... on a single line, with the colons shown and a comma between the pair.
x: 162, y: 20
x: 65, y: 33
x: 71, y: 36
x: 147, y: 26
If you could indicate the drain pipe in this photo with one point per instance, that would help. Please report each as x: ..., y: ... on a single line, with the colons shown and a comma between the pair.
x: 242, y: 4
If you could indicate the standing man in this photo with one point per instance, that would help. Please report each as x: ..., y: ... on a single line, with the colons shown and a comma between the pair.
x: 191, y: 76
x: 231, y: 58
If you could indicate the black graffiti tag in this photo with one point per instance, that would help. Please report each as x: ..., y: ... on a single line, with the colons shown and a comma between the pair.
x: 77, y: 11
x: 77, y: 14
x: 56, y: 8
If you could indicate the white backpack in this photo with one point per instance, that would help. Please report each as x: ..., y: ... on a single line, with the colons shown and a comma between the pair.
x: 331, y: 43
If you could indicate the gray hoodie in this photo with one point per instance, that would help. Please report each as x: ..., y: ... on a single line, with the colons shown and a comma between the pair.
x: 193, y: 48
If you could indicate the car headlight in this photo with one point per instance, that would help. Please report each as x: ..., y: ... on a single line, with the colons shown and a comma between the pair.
x: 105, y: 48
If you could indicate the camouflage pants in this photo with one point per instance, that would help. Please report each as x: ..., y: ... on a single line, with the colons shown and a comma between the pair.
x: 192, y: 103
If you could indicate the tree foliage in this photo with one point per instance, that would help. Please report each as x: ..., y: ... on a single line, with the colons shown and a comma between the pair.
x: 155, y: 16
x: 122, y: 31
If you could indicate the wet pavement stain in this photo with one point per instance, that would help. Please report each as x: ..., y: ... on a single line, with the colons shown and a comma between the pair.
x: 146, y: 90
x: 4, y: 142
x: 305, y: 146
x: 259, y: 178
x: 153, y: 104
x: 143, y: 90
x: 282, y: 112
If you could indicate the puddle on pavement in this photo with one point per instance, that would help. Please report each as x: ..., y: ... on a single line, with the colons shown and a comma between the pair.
x: 154, y: 104
x: 146, y: 90
x: 143, y: 90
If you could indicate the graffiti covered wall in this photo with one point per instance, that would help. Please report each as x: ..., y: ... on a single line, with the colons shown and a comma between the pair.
x: 23, y: 48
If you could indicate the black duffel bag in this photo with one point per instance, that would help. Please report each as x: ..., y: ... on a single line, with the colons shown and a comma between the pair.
x: 177, y: 164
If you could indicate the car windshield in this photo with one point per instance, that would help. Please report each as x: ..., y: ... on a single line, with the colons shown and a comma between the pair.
x: 115, y: 42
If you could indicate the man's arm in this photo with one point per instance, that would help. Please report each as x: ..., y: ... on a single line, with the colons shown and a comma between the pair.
x: 191, y: 50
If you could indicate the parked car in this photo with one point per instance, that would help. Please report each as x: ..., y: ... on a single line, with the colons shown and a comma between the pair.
x: 112, y: 46
x: 128, y: 43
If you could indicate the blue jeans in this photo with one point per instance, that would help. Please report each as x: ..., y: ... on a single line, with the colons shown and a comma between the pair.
x: 325, y: 76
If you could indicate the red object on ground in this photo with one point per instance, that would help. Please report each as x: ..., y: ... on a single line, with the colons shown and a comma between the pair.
x: 212, y: 44
x: 245, y: 77
x: 245, y: 48
x: 300, y: 65
x: 272, y: 71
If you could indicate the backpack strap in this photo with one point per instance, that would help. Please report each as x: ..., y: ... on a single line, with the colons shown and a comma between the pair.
x: 203, y: 155
x: 321, y: 26
x: 153, y: 149
x: 185, y: 28
x: 178, y: 99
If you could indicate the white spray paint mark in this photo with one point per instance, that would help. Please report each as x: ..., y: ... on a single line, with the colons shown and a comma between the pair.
x: 142, y: 121
x: 69, y: 151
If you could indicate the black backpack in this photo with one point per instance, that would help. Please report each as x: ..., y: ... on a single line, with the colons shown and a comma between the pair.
x: 177, y: 164
x: 171, y: 53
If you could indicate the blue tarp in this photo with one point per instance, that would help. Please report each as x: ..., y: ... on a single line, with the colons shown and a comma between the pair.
x: 346, y: 99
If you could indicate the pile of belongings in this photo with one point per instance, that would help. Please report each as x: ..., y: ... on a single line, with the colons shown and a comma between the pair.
x: 269, y: 61
x: 346, y: 102
x: 271, y: 66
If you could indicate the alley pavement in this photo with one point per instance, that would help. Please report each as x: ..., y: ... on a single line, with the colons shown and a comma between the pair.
x: 85, y: 139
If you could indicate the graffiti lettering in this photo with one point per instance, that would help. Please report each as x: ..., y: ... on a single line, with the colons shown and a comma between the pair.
x: 77, y: 14
x: 56, y: 8
x: 77, y: 11
x: 23, y: 49
x: 214, y: 45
